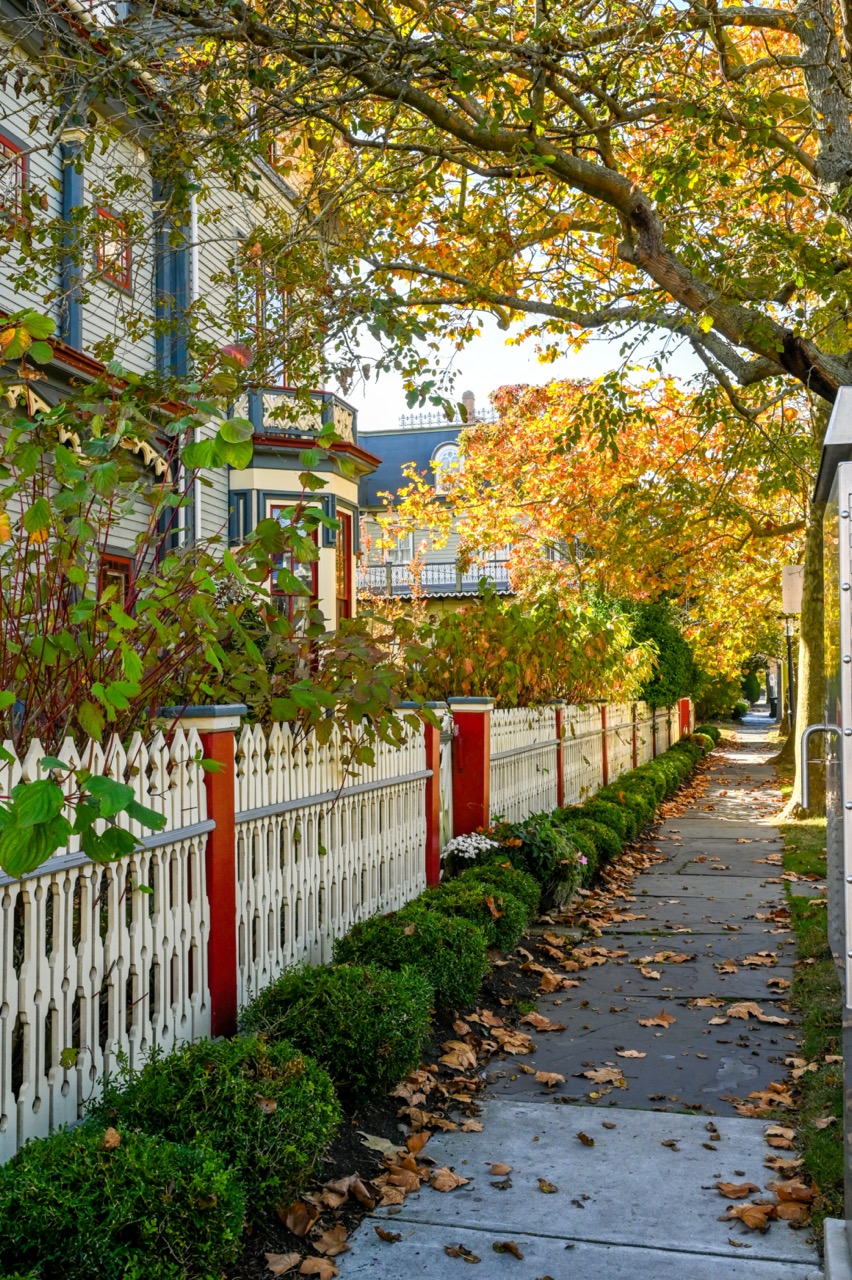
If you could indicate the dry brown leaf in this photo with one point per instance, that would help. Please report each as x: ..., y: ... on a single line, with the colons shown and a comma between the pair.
x: 280, y: 1263
x: 417, y: 1141
x: 606, y: 1075
x: 458, y: 1055
x: 549, y: 1188
x: 662, y: 1019
x: 472, y: 1126
x: 779, y: 1164
x: 824, y: 1121
x: 266, y: 1105
x: 792, y: 1189
x: 332, y: 1242
x: 446, y: 1180
x: 321, y: 1267
x: 550, y: 1078
x: 649, y: 973
x: 298, y: 1217
x: 737, y: 1190
x: 707, y: 1002
x: 726, y: 966
x: 798, y: 1215
x: 756, y: 1217
x: 111, y: 1139
x: 585, y: 1139
x: 541, y: 1023
x: 779, y: 1137
x: 513, y: 1041
x: 366, y: 1193
x: 389, y: 1237
x: 507, y: 1246
x: 629, y: 1053
x: 459, y: 1251
x: 759, y: 958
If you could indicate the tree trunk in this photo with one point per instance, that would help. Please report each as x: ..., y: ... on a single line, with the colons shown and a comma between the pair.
x: 810, y: 692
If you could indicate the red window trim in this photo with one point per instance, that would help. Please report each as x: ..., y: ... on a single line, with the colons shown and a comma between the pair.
x: 8, y: 149
x: 123, y: 263
x: 343, y: 558
x: 117, y: 566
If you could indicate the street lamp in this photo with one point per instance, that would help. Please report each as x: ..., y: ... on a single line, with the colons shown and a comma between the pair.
x: 792, y: 583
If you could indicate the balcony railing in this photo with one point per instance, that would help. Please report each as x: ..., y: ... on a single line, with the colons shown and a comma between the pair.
x: 435, y: 418
x: 275, y: 410
x: 442, y: 578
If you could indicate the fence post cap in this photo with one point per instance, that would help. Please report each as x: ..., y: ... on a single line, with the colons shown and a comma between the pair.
x: 471, y: 704
x: 217, y: 718
x: 416, y: 706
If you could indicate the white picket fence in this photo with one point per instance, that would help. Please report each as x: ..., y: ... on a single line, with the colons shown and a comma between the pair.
x: 524, y: 747
x: 99, y: 961
x: 319, y: 848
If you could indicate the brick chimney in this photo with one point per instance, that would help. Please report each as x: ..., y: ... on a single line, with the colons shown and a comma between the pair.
x: 469, y: 402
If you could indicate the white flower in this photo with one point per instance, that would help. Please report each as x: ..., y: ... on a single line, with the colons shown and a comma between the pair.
x: 469, y: 846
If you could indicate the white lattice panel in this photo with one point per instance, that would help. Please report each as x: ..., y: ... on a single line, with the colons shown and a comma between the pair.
x: 347, y: 847
x: 523, y: 761
x: 446, y: 781
x: 582, y: 752
x: 644, y: 733
x: 100, y: 960
x: 619, y: 730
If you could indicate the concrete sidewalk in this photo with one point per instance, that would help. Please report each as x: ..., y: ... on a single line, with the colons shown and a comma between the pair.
x: 640, y: 1201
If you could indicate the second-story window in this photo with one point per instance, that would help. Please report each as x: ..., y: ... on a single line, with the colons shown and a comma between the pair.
x: 13, y: 176
x: 112, y: 249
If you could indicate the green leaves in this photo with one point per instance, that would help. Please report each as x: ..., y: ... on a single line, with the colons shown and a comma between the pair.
x: 37, y: 517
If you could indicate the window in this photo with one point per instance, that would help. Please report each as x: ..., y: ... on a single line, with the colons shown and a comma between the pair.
x: 446, y: 462
x: 343, y: 567
x: 306, y: 571
x: 13, y: 176
x: 263, y: 309
x: 112, y: 249
x: 115, y: 571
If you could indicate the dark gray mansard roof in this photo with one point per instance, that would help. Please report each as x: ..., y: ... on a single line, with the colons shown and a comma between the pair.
x: 397, y: 448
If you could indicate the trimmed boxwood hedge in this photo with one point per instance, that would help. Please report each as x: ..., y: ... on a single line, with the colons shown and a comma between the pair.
x: 607, y: 843
x: 449, y: 951
x: 502, y: 877
x: 710, y: 731
x: 85, y: 1203
x: 365, y: 1024
x: 501, y: 926
x: 267, y: 1109
x: 612, y: 815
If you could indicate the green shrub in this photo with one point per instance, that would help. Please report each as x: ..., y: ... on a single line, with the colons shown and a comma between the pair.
x: 75, y: 1206
x: 501, y: 921
x: 702, y: 741
x: 269, y: 1110
x: 739, y: 709
x: 584, y: 848
x: 365, y: 1025
x: 540, y: 846
x: 450, y: 952
x: 501, y: 876
x: 612, y: 815
x: 640, y: 804
x: 710, y: 731
x: 752, y: 687
x: 606, y: 842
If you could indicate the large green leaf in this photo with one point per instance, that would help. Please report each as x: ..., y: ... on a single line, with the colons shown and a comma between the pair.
x: 37, y: 802
x: 112, y: 796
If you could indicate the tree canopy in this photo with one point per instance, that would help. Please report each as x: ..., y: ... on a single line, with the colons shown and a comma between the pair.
x: 592, y: 165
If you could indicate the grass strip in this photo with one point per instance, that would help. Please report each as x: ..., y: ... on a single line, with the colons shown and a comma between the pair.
x: 816, y: 995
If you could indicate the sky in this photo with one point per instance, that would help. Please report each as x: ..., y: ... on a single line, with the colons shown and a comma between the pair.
x: 486, y: 364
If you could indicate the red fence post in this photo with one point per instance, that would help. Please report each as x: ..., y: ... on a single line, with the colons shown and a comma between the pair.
x: 432, y: 738
x: 471, y: 763
x: 605, y: 746
x: 216, y: 727
x: 559, y: 708
x: 685, y: 714
x: 635, y: 738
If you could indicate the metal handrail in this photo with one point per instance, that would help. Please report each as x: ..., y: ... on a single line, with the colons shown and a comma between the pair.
x: 806, y: 758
